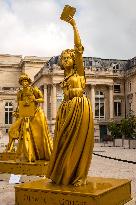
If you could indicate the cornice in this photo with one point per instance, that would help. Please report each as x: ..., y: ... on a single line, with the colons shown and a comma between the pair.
x: 9, y: 66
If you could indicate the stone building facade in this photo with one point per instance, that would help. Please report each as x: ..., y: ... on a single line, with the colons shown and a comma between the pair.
x: 104, y: 86
x: 130, y: 86
x: 11, y: 66
x: 110, y: 85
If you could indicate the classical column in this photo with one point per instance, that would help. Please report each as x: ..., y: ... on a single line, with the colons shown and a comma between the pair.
x: 45, y: 100
x: 54, y: 102
x: 111, y: 101
x: 93, y: 98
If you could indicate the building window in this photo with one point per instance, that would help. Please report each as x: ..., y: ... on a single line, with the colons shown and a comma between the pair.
x: 99, y: 105
x: 116, y: 68
x: 8, y: 113
x: 87, y: 63
x: 130, y: 87
x: 59, y: 96
x: 117, y: 88
x: 59, y: 100
x: 117, y: 108
x: 6, y: 88
x: 6, y: 130
x: 130, y: 107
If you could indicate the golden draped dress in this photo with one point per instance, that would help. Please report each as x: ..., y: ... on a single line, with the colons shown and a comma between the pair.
x: 74, y: 134
x: 35, y: 139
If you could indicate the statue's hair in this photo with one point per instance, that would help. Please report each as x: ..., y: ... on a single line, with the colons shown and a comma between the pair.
x: 69, y: 51
x: 24, y: 76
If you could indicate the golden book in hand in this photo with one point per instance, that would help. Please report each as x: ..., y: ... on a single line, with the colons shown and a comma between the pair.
x: 67, y: 12
x: 26, y: 111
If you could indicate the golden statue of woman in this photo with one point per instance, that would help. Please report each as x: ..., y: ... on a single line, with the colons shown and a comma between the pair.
x: 30, y: 127
x: 74, y: 130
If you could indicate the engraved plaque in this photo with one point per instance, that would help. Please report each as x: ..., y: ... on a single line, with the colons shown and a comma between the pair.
x: 98, y: 191
x: 26, y: 110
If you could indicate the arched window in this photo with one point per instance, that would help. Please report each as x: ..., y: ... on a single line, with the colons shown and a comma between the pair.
x: 99, y: 105
x: 8, y: 113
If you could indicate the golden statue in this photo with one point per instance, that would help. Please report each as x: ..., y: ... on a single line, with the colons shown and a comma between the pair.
x: 30, y: 127
x: 73, y: 145
x: 74, y: 129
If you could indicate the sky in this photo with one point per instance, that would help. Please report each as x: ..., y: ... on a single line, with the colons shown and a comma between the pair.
x: 33, y: 27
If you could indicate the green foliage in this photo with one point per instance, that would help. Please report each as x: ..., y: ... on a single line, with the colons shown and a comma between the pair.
x: 128, y: 127
x: 115, y: 130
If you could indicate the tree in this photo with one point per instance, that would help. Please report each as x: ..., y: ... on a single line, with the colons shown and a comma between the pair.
x: 128, y: 127
x: 115, y: 130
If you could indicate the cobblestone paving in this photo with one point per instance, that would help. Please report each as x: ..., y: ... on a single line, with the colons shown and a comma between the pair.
x: 7, y: 193
x: 110, y: 168
x: 117, y: 152
x: 100, y: 166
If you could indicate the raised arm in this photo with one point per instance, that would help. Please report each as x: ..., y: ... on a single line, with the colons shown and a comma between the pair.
x: 78, y: 48
x: 67, y: 15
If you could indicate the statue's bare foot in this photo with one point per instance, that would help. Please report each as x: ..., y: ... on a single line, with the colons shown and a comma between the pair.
x: 80, y: 182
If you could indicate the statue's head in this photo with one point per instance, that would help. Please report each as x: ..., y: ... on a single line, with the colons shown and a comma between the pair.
x: 24, y: 80
x: 67, y: 59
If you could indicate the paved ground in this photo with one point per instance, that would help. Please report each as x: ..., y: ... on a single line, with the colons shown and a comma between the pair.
x: 104, y: 167
x: 100, y: 166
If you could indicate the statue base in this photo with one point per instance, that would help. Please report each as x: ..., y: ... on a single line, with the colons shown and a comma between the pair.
x: 9, y: 164
x: 7, y: 156
x: 98, y: 191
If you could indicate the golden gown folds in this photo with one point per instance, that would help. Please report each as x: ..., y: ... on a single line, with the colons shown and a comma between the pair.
x: 40, y: 140
x: 73, y: 140
x: 34, y: 137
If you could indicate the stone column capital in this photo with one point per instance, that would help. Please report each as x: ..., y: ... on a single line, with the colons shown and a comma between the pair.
x: 92, y: 85
x: 54, y: 84
x: 45, y: 86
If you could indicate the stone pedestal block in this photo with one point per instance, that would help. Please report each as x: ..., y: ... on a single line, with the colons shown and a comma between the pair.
x: 98, y: 191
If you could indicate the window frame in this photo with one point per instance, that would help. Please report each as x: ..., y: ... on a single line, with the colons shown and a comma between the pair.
x: 117, y: 108
x: 8, y: 113
x: 117, y: 91
x: 99, y: 99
